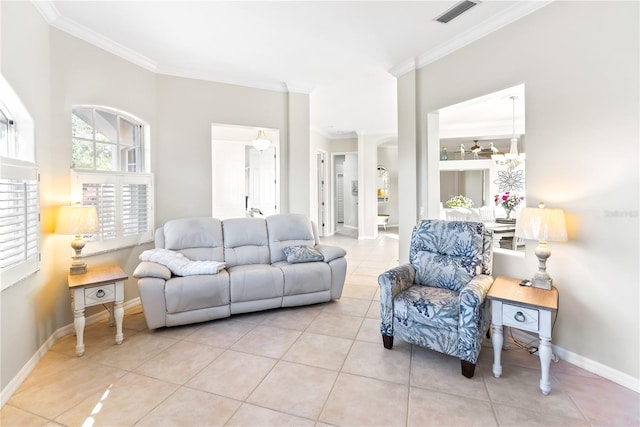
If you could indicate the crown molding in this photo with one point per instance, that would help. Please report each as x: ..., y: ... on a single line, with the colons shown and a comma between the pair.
x: 47, y: 9
x: 207, y: 76
x: 505, y: 17
x: 404, y: 67
x: 53, y: 18
x: 300, y: 88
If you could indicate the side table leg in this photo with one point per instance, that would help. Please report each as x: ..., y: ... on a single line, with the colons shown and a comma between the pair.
x: 119, y: 315
x: 111, y: 315
x: 497, y: 340
x: 545, y: 361
x: 78, y: 323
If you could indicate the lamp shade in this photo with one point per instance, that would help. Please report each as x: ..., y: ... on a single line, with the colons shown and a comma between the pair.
x: 542, y: 224
x: 261, y: 142
x: 77, y: 219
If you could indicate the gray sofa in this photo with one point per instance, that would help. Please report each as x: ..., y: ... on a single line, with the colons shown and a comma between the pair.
x: 257, y: 273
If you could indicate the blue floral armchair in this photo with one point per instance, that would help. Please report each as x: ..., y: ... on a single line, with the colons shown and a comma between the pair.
x: 438, y: 300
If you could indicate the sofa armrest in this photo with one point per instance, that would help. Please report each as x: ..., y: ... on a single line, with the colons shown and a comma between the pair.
x: 472, y: 311
x: 330, y: 252
x: 152, y: 269
x: 392, y: 282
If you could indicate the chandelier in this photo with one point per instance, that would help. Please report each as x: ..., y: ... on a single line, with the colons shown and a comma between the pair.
x: 512, y: 159
x: 261, y: 142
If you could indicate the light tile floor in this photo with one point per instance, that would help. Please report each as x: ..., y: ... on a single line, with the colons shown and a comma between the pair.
x: 308, y: 366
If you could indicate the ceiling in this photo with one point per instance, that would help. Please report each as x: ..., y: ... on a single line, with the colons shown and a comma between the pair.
x: 344, y: 54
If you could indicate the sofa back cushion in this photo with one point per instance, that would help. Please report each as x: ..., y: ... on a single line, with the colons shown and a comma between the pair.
x: 245, y: 241
x: 288, y: 230
x: 197, y: 238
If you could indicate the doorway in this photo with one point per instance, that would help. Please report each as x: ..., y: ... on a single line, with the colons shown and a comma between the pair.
x: 245, y: 173
x: 345, y: 194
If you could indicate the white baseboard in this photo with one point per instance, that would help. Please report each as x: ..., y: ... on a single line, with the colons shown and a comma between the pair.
x: 15, y: 383
x: 592, y: 366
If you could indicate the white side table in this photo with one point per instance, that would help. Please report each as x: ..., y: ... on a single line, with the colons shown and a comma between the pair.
x: 98, y: 285
x: 526, y: 308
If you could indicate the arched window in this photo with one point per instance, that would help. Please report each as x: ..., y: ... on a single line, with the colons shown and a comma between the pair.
x: 109, y: 171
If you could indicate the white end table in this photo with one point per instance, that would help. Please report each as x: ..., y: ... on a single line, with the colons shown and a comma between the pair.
x: 526, y: 308
x: 98, y: 285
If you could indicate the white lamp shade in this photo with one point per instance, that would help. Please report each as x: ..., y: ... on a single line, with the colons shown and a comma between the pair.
x: 77, y: 219
x: 261, y: 142
x: 542, y: 224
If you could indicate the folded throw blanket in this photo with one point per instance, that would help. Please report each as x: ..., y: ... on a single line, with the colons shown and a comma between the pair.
x: 180, y: 264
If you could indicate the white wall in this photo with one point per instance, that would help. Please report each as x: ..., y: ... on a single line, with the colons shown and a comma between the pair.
x: 582, y: 115
x: 186, y: 108
x: 30, y: 303
x: 350, y: 171
x: 299, y: 154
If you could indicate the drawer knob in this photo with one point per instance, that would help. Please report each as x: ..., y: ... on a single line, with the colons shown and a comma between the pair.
x: 519, y: 316
x: 100, y: 293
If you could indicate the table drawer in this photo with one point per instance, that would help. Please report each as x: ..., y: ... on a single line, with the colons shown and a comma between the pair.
x: 520, y: 317
x: 99, y: 294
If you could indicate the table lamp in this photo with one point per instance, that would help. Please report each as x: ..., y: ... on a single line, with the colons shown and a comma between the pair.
x: 77, y: 220
x: 544, y: 225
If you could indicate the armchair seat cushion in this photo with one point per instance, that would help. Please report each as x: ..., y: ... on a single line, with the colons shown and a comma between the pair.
x: 426, y: 305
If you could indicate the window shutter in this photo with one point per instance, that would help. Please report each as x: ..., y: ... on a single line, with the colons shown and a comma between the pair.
x: 135, y: 209
x: 103, y: 197
x: 124, y: 203
x: 19, y: 223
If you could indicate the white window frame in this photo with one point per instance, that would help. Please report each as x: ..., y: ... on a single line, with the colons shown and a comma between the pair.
x: 119, y: 179
x: 18, y: 166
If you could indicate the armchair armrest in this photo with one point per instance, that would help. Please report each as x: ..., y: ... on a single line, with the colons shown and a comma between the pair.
x: 472, y: 314
x: 392, y: 282
x: 152, y: 269
x: 330, y: 252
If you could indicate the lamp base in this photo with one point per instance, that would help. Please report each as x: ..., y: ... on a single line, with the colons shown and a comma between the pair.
x: 542, y: 283
x: 78, y: 267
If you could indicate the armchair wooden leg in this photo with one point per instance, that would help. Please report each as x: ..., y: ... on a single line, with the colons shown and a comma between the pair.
x: 468, y: 368
x: 387, y: 341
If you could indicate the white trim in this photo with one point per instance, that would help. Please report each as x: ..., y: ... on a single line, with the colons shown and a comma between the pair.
x: 505, y: 17
x: 55, y: 19
x: 208, y: 76
x: 22, y: 375
x: 592, y: 366
x: 404, y: 67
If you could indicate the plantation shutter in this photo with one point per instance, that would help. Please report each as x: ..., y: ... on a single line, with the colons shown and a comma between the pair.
x: 124, y: 205
x: 135, y: 209
x: 19, y: 221
x: 103, y: 197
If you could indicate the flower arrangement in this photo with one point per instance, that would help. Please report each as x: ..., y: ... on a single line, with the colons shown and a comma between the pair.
x: 509, y: 201
x: 459, y: 202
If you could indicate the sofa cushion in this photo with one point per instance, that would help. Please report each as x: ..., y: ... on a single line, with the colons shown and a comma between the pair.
x: 192, y: 233
x: 196, y: 292
x: 297, y: 254
x: 305, y: 278
x: 245, y: 241
x: 254, y: 282
x: 288, y: 230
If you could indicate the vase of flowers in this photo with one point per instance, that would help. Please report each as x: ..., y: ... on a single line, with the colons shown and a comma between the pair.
x: 459, y: 202
x: 509, y: 202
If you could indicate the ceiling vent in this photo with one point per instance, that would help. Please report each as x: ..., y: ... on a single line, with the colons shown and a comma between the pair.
x: 457, y: 10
